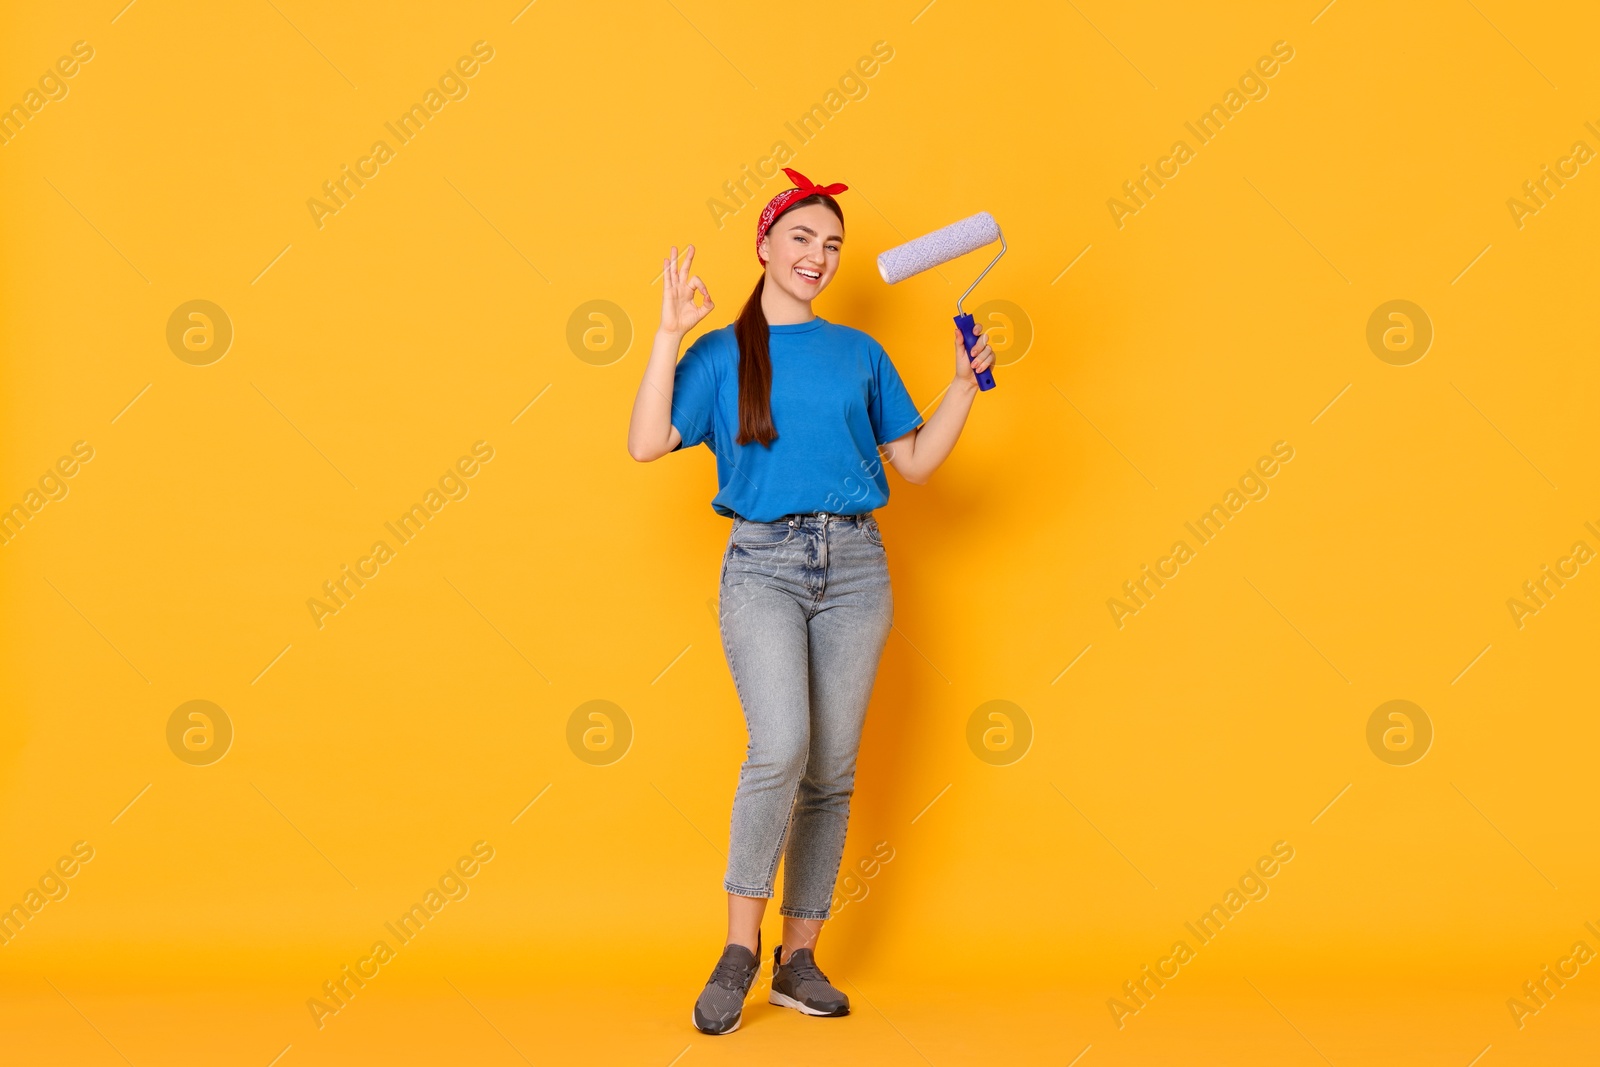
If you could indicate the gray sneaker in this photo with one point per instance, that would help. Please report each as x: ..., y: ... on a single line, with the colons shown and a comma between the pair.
x: 797, y: 983
x: 721, y: 1003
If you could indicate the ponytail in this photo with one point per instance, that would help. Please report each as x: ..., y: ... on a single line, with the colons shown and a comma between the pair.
x: 755, y: 372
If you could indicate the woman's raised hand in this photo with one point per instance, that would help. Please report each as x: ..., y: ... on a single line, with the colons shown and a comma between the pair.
x: 679, y: 314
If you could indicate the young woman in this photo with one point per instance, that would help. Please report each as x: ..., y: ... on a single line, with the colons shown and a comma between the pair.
x: 795, y: 408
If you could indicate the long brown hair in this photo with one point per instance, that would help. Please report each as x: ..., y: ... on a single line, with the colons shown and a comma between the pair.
x: 755, y: 358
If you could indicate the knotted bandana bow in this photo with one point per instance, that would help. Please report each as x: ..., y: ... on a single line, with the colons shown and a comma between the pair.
x: 804, y: 187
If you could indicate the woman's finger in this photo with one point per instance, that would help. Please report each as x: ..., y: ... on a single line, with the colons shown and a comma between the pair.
x: 688, y: 258
x: 705, y: 294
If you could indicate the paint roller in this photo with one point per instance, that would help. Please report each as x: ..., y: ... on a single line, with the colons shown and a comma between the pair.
x: 941, y: 246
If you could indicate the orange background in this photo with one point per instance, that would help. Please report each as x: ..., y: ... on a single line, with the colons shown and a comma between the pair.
x: 434, y: 310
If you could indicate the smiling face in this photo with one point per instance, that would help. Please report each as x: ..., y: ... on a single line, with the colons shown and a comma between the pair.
x: 802, y: 250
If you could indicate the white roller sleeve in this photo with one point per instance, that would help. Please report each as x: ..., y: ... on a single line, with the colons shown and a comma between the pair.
x: 940, y: 246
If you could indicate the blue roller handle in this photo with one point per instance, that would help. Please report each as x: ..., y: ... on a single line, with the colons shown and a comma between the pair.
x: 969, y: 336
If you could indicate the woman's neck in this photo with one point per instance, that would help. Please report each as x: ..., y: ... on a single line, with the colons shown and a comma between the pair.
x: 782, y: 309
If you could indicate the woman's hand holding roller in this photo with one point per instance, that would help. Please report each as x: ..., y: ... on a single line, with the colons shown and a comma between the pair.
x: 982, y: 358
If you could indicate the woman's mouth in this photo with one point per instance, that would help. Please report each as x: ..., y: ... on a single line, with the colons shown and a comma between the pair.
x: 810, y: 277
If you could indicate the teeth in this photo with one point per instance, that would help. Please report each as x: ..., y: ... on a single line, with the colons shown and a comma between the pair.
x: 807, y: 273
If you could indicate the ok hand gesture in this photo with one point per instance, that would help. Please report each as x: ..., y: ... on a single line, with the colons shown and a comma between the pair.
x: 679, y: 314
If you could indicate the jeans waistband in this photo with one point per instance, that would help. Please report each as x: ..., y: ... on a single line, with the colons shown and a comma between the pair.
x: 816, y: 519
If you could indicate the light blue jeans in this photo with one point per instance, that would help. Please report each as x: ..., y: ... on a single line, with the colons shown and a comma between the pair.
x: 805, y: 611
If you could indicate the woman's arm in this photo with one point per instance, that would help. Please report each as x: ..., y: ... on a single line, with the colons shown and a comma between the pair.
x: 651, y: 434
x: 919, y: 453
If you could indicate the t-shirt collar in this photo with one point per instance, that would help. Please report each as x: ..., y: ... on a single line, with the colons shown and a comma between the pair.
x: 799, y: 327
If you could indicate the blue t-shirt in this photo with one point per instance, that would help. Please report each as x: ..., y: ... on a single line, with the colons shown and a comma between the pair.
x: 835, y: 397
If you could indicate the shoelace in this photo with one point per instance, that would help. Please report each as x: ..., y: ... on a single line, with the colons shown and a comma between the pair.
x: 731, y: 973
x: 805, y: 967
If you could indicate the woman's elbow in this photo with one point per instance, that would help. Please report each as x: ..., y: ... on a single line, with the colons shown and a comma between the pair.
x: 913, y: 475
x: 644, y: 453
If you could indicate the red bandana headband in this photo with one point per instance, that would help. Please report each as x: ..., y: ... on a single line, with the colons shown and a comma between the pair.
x: 777, y: 205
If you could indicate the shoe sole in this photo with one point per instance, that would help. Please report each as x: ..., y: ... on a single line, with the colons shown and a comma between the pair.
x: 789, y: 1002
x: 715, y: 1033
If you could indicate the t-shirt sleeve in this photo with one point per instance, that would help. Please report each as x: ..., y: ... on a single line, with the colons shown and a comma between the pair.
x: 694, y: 394
x: 893, y: 413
